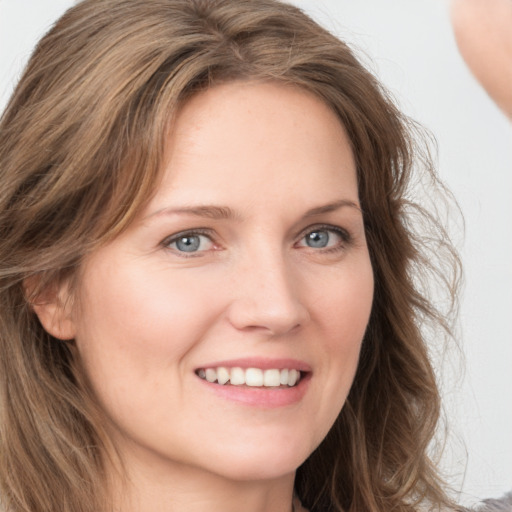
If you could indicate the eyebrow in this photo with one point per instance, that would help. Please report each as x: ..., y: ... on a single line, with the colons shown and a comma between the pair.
x: 205, y: 211
x: 224, y: 212
x: 331, y: 207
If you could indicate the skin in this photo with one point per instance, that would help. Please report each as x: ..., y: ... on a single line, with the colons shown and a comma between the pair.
x: 483, y: 29
x: 149, y: 315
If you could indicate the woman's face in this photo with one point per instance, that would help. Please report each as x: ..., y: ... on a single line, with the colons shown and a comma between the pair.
x: 249, y: 263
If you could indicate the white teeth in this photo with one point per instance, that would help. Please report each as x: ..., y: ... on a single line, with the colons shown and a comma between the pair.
x: 211, y: 375
x: 222, y: 375
x: 237, y: 377
x: 271, y: 378
x: 253, y: 377
x: 293, y: 375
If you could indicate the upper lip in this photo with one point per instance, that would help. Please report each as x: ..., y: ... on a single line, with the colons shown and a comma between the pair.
x: 263, y: 363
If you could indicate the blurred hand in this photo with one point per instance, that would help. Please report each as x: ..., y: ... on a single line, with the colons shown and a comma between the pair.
x: 483, y: 30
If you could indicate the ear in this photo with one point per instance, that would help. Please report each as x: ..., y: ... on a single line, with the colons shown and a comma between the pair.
x: 53, y: 307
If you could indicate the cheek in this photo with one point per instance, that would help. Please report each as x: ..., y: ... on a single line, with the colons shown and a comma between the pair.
x: 139, y: 303
x: 136, y: 325
x: 342, y: 309
x: 343, y: 304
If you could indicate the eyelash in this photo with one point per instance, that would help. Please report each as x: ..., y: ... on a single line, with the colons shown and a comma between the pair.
x: 342, y: 233
x: 184, y: 234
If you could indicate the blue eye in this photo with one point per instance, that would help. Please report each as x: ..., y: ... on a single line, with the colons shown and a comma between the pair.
x: 317, y: 239
x: 324, y: 238
x: 189, y: 243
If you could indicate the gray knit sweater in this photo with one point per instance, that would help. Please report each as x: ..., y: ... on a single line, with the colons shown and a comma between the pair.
x: 503, y: 504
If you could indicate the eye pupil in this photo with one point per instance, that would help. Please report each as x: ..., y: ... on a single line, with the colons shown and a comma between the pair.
x: 188, y: 243
x: 317, y: 239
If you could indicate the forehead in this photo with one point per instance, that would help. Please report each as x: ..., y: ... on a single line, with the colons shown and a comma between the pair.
x: 234, y: 139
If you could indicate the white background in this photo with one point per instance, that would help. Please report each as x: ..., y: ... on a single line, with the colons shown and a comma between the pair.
x: 409, y: 44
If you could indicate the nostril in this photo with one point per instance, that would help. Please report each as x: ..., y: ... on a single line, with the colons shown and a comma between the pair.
x: 267, y: 315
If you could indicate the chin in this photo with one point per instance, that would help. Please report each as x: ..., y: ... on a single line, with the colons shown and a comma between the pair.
x: 246, y: 471
x: 260, y: 462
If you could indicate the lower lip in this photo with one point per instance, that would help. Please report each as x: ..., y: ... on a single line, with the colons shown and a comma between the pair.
x: 263, y: 397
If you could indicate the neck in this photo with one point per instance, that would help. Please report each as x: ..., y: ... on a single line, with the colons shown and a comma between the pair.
x: 189, y: 489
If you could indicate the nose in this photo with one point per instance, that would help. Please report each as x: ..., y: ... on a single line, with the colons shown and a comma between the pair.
x: 267, y: 297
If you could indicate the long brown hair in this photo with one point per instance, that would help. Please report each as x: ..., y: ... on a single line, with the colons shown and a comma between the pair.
x: 80, y: 148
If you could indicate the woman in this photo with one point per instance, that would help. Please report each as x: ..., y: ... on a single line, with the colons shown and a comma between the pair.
x: 210, y: 279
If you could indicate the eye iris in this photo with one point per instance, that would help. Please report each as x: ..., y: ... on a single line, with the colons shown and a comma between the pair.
x: 317, y: 239
x: 189, y: 243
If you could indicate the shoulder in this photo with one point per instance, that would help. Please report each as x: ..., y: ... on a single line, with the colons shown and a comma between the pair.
x: 503, y: 504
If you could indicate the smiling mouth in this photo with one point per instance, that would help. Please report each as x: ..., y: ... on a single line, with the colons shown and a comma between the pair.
x: 252, y: 377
